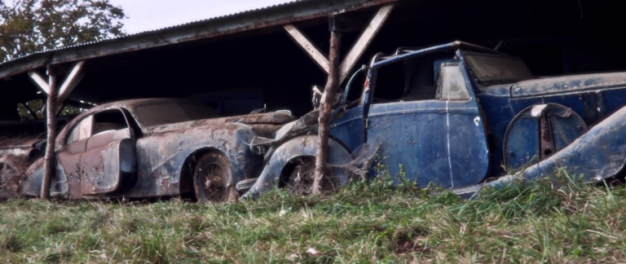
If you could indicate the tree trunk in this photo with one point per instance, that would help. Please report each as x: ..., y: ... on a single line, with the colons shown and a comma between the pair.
x: 49, y: 160
x: 330, y: 92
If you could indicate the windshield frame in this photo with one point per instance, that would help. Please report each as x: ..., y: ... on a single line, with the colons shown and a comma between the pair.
x: 525, y: 73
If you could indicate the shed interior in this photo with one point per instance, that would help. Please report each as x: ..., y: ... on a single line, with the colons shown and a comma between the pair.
x: 552, y: 37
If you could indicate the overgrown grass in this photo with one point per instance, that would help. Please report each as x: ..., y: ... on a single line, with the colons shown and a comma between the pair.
x: 366, y: 223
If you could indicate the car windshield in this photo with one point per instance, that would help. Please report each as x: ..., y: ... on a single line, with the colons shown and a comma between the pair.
x: 172, y: 112
x: 493, y: 68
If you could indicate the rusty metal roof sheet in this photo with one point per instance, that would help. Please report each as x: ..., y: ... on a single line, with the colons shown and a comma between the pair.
x: 284, y: 13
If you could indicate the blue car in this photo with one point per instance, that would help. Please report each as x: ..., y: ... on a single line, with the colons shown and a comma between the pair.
x: 458, y: 115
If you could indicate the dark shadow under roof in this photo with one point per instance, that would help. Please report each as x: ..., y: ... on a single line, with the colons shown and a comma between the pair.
x: 276, y: 15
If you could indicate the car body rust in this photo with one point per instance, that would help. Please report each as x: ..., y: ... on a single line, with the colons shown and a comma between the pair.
x: 119, y: 150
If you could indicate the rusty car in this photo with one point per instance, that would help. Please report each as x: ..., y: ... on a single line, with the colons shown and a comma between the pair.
x: 154, y: 148
x: 458, y: 116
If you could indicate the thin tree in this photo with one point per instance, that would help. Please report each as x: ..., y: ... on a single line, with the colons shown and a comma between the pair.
x: 328, y: 96
x: 28, y: 26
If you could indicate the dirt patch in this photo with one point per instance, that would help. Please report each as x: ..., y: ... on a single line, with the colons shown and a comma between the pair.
x: 408, y: 247
x: 410, y: 239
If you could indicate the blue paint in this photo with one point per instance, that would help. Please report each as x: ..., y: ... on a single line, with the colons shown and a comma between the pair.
x: 443, y: 142
x: 522, y: 143
x: 458, y: 144
x: 597, y: 155
x: 415, y: 133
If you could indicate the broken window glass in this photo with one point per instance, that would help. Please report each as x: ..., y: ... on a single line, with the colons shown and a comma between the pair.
x: 451, y: 83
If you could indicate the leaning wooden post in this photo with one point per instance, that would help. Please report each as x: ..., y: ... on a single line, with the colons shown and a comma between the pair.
x: 49, y: 160
x: 326, y: 107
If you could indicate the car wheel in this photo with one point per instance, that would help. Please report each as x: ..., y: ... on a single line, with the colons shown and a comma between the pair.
x: 212, y: 179
x: 300, y: 174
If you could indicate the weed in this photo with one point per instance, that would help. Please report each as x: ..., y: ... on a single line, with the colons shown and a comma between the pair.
x: 554, y: 220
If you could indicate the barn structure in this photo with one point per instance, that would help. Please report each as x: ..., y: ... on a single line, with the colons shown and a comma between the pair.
x: 272, y: 57
x: 278, y: 53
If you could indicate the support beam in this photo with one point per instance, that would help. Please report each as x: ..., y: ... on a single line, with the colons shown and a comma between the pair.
x: 355, y: 53
x: 39, y: 81
x: 363, y: 41
x: 308, y: 46
x: 72, y: 79
x: 49, y: 160
x: 30, y: 111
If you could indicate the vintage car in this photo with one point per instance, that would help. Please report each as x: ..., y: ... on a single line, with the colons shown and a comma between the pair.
x: 154, y: 148
x: 456, y: 115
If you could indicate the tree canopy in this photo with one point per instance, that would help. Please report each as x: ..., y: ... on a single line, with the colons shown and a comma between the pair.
x: 28, y: 26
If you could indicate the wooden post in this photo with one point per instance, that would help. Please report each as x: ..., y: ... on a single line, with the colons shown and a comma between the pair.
x: 325, y: 109
x: 49, y: 160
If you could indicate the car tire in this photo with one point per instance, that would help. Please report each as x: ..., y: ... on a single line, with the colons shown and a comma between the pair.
x: 212, y: 179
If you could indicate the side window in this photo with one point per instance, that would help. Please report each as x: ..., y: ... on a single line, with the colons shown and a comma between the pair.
x: 451, y: 83
x: 413, y: 79
x: 107, y: 121
x: 98, y: 123
x: 81, y: 131
x: 390, y: 83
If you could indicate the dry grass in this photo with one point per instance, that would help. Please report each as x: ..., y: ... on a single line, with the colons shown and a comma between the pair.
x: 366, y: 223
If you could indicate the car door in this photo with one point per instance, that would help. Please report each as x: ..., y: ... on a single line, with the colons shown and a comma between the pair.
x: 434, y: 133
x: 108, y: 164
x: 68, y: 158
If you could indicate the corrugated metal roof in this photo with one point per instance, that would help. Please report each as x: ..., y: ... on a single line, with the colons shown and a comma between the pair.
x: 279, y: 14
x: 156, y: 30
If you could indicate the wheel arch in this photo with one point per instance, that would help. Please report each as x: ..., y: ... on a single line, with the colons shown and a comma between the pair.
x: 298, y: 147
x: 186, y: 189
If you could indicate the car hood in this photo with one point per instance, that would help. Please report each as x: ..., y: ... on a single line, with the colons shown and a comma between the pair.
x: 279, y: 117
x: 561, y: 84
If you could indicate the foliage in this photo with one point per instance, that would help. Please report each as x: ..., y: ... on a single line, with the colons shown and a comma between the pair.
x: 28, y: 26
x: 38, y: 111
x: 366, y: 223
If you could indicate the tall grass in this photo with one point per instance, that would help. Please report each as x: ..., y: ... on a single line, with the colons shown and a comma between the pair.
x: 535, y: 222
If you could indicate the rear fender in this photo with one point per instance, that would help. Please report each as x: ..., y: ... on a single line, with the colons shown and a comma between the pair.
x: 595, y: 156
x: 294, y: 148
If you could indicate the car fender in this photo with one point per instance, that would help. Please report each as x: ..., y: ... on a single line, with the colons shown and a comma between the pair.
x: 163, y: 157
x: 595, y: 156
x: 31, y: 186
x: 298, y: 147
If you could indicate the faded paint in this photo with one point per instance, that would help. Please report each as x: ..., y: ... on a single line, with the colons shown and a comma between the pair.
x: 452, y: 143
x: 150, y: 162
x: 461, y: 143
